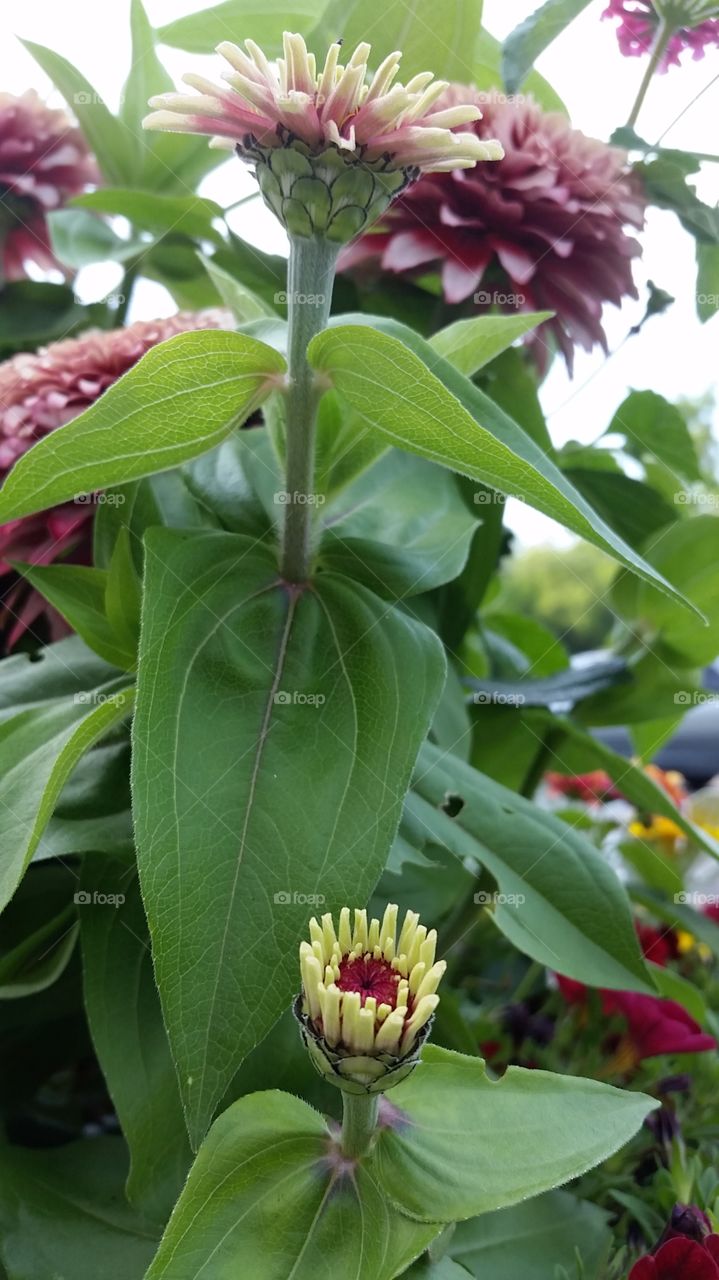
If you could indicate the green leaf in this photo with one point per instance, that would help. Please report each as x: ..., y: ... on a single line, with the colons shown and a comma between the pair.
x: 33, y: 313
x: 80, y: 238
x: 655, y: 428
x: 38, y: 750
x: 402, y: 528
x: 412, y: 28
x: 234, y: 668
x: 79, y: 593
x: 470, y: 344
x: 107, y: 137
x: 672, y: 986
x: 565, y: 687
x: 264, y: 1201
x: 129, y: 1036
x: 262, y: 20
x: 665, y: 181
x: 707, y: 281
x: 39, y: 960
x: 687, y: 549
x: 396, y: 394
x: 62, y: 1213
x: 243, y: 302
x: 531, y: 37
x: 183, y: 397
x: 633, y: 508
x: 123, y: 595
x: 487, y: 74
x: 160, y: 214
x: 563, y: 905
x: 530, y: 1239
x: 455, y: 1143
x: 66, y: 668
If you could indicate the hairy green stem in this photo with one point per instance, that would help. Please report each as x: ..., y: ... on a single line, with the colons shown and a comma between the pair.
x: 664, y: 33
x: 309, y: 295
x: 359, y: 1121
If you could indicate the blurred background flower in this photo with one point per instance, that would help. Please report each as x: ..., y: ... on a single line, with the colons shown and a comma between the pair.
x: 543, y: 229
x: 44, y: 160
x: 38, y: 393
x: 638, y: 22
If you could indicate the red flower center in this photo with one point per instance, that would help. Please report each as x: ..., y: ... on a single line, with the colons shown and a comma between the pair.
x: 371, y: 978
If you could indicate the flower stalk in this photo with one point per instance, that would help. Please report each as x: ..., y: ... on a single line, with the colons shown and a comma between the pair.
x: 359, y: 1123
x: 664, y: 33
x: 309, y: 295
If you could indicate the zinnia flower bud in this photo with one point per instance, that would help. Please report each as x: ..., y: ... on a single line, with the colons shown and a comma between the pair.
x: 330, y: 151
x: 368, y: 997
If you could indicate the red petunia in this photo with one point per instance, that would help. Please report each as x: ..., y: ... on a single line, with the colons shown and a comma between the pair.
x: 680, y: 1259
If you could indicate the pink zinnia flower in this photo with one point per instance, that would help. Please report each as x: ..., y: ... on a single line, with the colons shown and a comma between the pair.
x: 39, y: 393
x: 43, y: 161
x: 543, y: 229
x: 330, y: 150
x: 638, y: 23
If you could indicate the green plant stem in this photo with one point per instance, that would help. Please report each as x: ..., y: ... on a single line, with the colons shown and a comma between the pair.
x: 309, y: 295
x: 127, y: 286
x: 359, y: 1121
x: 665, y: 31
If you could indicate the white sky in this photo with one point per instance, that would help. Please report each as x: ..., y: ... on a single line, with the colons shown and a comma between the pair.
x: 674, y: 355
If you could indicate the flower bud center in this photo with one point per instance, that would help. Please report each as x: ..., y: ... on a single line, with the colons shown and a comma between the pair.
x: 370, y: 977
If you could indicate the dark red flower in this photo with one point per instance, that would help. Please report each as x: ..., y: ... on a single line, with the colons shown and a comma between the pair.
x: 657, y: 1026
x: 44, y: 160
x: 680, y: 1259
x: 638, y: 21
x: 544, y: 228
x: 38, y: 393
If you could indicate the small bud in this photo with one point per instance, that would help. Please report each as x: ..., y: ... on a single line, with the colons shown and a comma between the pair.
x: 368, y: 998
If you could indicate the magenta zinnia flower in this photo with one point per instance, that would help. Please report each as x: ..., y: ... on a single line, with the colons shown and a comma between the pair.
x: 352, y: 145
x: 638, y: 23
x: 39, y: 393
x: 543, y: 229
x: 43, y: 161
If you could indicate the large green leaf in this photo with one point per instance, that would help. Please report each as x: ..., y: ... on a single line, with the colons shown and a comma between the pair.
x: 487, y: 74
x: 655, y: 428
x: 158, y: 213
x: 262, y: 20
x: 183, y: 397
x: 39, y: 748
x: 530, y: 1240
x: 238, y: 834
x: 455, y: 1143
x: 63, y: 1214
x: 560, y: 903
x: 421, y: 403
x: 531, y: 37
x: 130, y: 1039
x: 79, y: 238
x: 411, y: 27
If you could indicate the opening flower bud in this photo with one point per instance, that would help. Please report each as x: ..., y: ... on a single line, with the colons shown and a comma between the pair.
x: 368, y: 997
